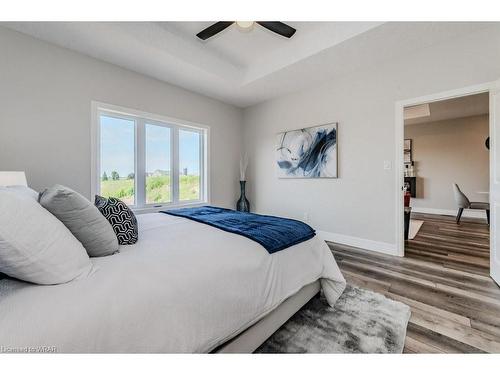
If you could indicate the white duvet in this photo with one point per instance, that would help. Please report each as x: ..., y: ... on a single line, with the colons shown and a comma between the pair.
x: 184, y: 287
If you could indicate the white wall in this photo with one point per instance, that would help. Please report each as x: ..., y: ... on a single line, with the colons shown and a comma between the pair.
x: 359, y: 207
x: 45, y: 103
x: 449, y: 151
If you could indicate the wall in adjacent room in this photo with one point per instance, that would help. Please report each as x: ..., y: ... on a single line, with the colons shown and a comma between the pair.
x: 45, y: 114
x: 446, y: 152
x: 359, y: 206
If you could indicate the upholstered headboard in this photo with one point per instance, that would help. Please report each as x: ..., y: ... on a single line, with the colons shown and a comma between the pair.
x: 9, y: 178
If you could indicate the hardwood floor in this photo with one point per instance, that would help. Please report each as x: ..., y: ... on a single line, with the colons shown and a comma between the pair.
x: 443, y: 278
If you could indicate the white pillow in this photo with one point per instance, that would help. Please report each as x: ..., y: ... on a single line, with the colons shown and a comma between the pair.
x: 34, y: 245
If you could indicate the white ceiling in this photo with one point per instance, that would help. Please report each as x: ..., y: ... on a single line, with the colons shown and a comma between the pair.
x: 238, y: 67
x: 465, y: 106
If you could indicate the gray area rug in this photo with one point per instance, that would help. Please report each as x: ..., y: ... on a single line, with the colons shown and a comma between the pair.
x: 360, y: 322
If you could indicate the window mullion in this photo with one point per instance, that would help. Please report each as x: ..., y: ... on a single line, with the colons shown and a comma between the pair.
x: 175, y: 165
x: 140, y: 163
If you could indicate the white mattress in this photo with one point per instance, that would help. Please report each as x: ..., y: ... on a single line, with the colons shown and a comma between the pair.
x: 184, y: 287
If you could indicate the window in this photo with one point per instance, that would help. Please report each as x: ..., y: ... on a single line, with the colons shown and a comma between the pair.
x: 158, y: 164
x: 189, y: 164
x: 147, y: 160
x: 117, y: 158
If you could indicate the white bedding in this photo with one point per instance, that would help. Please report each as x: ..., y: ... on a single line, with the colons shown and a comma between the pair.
x: 184, y: 287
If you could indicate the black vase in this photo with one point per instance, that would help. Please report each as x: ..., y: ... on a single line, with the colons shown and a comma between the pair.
x: 243, y: 204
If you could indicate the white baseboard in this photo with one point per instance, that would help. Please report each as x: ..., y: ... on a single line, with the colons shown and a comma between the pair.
x: 478, y: 214
x: 380, y: 247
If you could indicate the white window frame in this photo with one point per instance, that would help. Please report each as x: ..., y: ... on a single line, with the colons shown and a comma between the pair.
x: 140, y: 119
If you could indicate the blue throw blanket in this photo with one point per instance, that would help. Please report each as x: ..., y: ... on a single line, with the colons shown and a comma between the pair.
x: 274, y: 233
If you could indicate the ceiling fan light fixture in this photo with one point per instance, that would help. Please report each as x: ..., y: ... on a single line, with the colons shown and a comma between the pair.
x: 277, y: 27
x: 245, y: 25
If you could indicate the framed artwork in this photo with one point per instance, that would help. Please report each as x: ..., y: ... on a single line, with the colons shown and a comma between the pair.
x: 308, y: 153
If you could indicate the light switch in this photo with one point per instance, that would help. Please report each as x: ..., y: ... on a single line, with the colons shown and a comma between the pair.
x: 387, y: 164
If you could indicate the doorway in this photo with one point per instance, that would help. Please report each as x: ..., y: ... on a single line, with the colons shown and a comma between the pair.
x: 419, y: 110
x: 446, y: 180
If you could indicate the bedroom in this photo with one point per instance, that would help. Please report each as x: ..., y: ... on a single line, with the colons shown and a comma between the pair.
x: 116, y: 136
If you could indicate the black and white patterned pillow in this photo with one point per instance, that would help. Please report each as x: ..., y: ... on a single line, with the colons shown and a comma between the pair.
x: 121, y: 218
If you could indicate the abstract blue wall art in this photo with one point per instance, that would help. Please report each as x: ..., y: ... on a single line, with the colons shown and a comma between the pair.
x: 307, y: 153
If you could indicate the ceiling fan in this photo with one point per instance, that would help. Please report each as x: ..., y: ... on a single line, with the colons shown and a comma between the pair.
x: 276, y: 27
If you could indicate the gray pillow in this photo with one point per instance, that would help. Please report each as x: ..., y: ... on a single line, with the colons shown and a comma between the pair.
x: 82, y: 218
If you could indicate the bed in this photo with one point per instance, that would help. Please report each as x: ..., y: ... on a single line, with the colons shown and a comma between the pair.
x: 185, y: 287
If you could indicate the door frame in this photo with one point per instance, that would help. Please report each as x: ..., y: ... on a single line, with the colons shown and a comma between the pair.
x: 399, y: 137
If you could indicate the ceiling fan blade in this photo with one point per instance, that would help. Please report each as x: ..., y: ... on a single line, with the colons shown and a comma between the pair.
x: 278, y: 27
x: 211, y: 30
